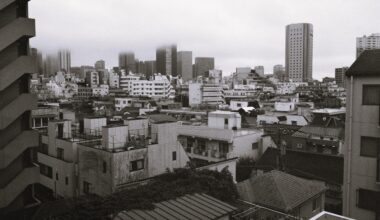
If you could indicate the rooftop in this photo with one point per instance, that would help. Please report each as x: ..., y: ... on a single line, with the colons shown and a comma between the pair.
x: 367, y: 64
x: 279, y: 190
x: 196, y: 206
x: 214, y: 133
x: 330, y: 111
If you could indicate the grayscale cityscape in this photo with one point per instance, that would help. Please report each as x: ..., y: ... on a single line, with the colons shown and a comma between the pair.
x: 178, y: 109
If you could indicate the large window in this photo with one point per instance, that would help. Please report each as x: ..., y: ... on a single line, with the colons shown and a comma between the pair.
x: 371, y: 95
x: 137, y: 165
x: 369, y: 146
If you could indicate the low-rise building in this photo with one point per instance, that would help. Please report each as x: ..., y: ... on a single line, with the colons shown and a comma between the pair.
x: 205, y: 94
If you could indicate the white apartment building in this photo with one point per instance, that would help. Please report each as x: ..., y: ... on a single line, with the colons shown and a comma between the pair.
x: 122, y: 102
x: 157, y: 87
x: 209, y: 94
x: 101, y: 90
x: 367, y: 43
x: 113, y: 80
x: 299, y: 52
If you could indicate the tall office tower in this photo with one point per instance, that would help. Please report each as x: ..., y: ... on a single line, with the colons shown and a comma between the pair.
x: 18, y: 142
x: 38, y: 58
x: 259, y: 70
x: 299, y: 52
x: 279, y: 72
x: 185, y: 65
x: 340, y: 76
x: 150, y: 68
x: 100, y: 65
x: 127, y: 62
x: 361, y: 183
x: 64, y: 60
x: 166, y: 60
x: 367, y: 43
x: 51, y: 65
x: 140, y: 67
x: 203, y: 65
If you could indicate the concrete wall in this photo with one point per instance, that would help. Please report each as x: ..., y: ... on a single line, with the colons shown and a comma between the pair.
x: 93, y: 126
x: 114, y: 136
x: 234, y: 105
x: 195, y: 94
x: 242, y: 146
x: 284, y: 106
x: 230, y: 164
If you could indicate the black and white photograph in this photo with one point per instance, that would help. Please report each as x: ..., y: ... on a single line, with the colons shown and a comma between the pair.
x: 190, y: 109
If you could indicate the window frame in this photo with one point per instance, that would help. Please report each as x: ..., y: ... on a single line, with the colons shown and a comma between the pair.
x: 135, y: 167
x: 361, y: 147
x: 364, y: 95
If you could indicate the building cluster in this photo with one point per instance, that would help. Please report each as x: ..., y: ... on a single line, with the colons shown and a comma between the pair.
x: 70, y: 132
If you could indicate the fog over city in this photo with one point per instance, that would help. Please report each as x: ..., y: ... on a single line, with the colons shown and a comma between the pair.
x: 237, y: 33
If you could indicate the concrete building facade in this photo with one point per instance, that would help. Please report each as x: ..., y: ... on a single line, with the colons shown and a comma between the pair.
x: 367, y: 43
x: 64, y: 60
x: 340, y: 78
x: 202, y: 65
x: 166, y: 60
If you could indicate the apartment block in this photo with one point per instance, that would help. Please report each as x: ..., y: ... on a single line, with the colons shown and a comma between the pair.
x: 18, y: 172
x: 361, y: 196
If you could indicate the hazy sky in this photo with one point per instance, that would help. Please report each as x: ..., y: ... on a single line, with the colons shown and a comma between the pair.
x: 237, y: 33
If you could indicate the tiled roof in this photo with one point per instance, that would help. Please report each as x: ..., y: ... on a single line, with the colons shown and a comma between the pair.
x: 196, y: 206
x: 322, y: 131
x: 279, y: 190
x: 327, y: 168
x: 161, y: 118
x: 368, y: 63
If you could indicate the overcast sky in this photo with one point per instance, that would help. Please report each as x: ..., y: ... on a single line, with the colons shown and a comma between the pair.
x: 237, y: 33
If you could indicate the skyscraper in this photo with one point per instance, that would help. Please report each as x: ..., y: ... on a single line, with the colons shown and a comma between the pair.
x: 299, y: 52
x: 203, y: 65
x: 279, y: 72
x: 150, y: 68
x: 367, y: 43
x: 51, y: 65
x: 185, y: 65
x: 64, y: 60
x: 340, y: 76
x: 18, y: 143
x: 166, y: 60
x: 127, y: 61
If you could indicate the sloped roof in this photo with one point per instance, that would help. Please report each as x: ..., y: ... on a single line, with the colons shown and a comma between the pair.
x: 322, y: 131
x: 161, y: 118
x: 196, y: 206
x: 279, y: 190
x: 328, y: 168
x: 367, y: 64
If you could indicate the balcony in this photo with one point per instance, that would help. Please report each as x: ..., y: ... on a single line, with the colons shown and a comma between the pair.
x: 23, y: 103
x: 27, y: 177
x: 15, y: 70
x: 13, y: 31
x: 18, y: 145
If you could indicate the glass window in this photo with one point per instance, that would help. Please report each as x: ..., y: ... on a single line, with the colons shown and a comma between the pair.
x: 104, y: 167
x: 174, y: 155
x: 60, y: 153
x: 371, y: 94
x: 137, y: 165
x: 369, y: 146
x: 86, y: 187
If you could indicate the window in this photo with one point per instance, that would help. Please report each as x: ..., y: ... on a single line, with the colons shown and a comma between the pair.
x: 226, y: 121
x: 255, y: 146
x: 56, y: 176
x: 104, y: 167
x: 137, y: 165
x: 67, y: 181
x: 371, y: 95
x: 294, y: 122
x: 60, y: 153
x: 238, y: 104
x: 174, y: 155
x: 316, y: 204
x: 86, y: 187
x: 369, y: 146
x: 46, y: 170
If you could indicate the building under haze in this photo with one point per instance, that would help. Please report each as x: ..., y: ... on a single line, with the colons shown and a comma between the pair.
x: 299, y: 52
x: 127, y: 61
x: 150, y: 68
x: 203, y: 65
x: 185, y: 65
x: 18, y: 170
x: 100, y: 65
x: 259, y: 70
x: 50, y: 65
x: 340, y: 78
x: 166, y: 60
x: 367, y: 43
x: 64, y: 60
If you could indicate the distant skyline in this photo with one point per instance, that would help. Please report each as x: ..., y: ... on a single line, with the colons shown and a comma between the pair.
x: 237, y: 33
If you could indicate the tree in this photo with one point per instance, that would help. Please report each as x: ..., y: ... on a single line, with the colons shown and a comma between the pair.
x: 244, y: 167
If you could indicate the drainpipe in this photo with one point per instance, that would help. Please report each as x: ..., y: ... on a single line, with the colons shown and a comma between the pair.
x: 349, y: 151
